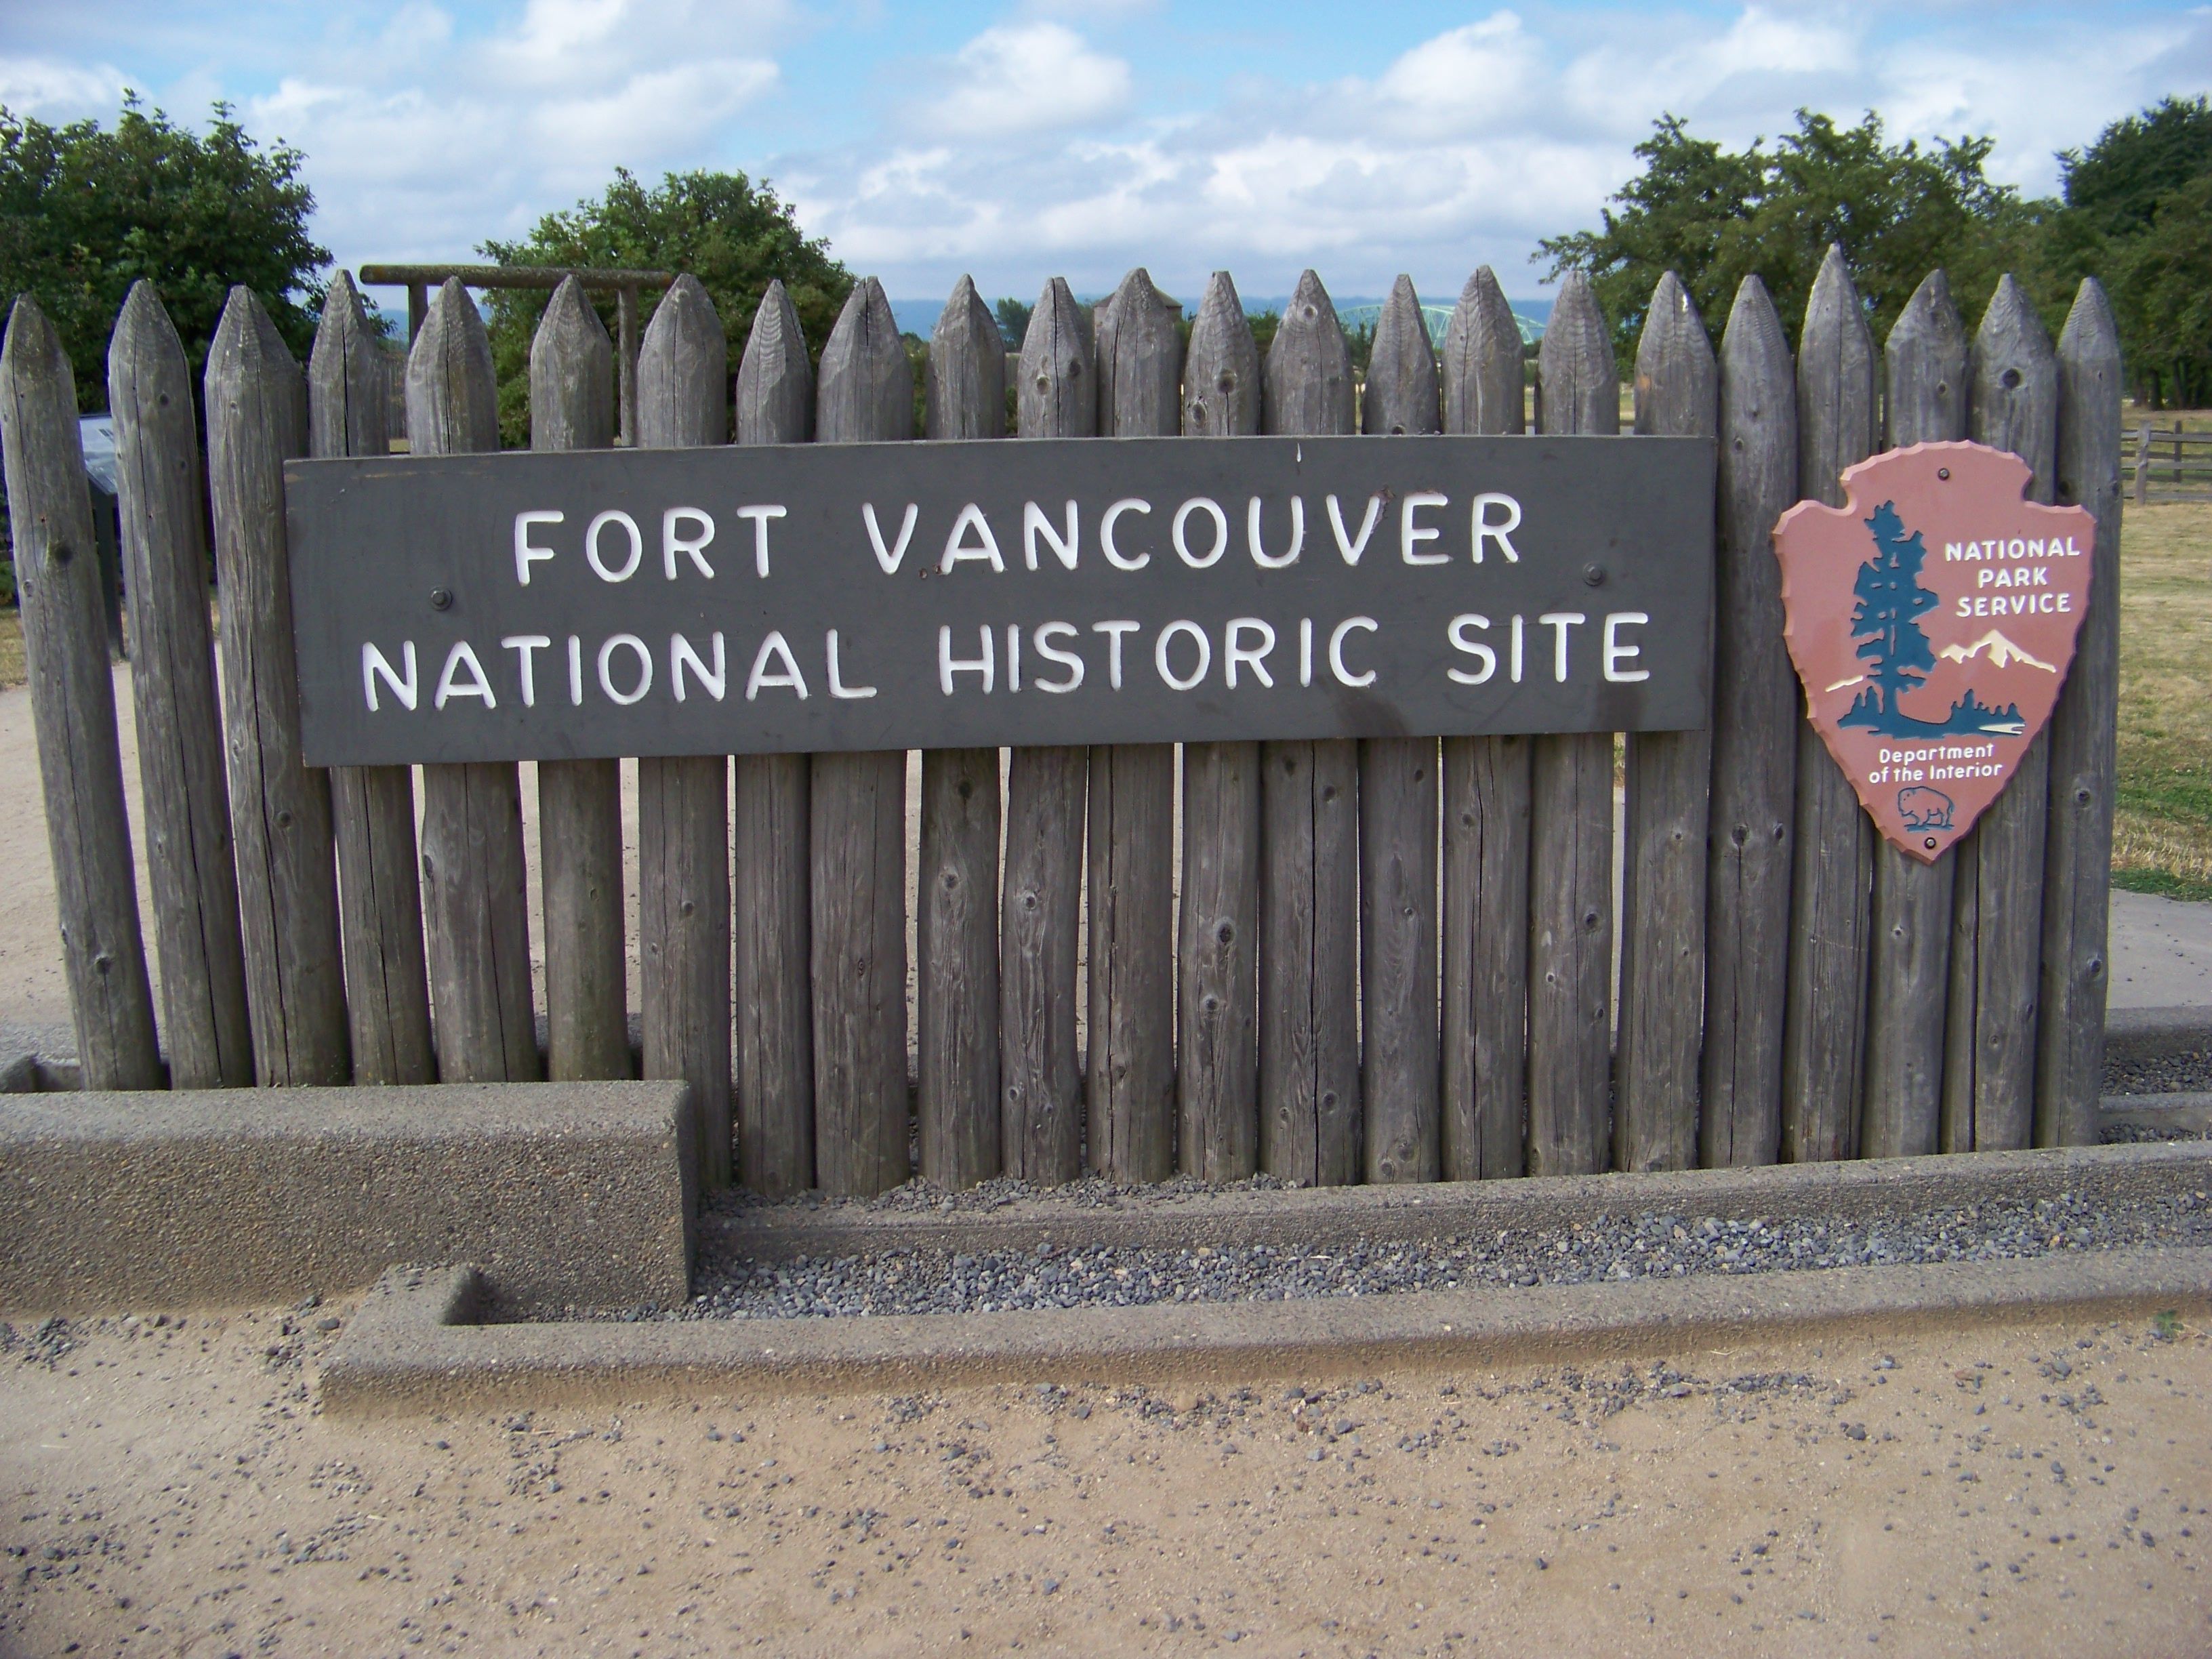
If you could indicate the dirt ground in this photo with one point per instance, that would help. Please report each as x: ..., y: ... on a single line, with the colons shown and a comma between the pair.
x: 2021, y: 1490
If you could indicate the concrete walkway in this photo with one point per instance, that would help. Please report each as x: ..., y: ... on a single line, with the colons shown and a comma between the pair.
x: 2161, y: 948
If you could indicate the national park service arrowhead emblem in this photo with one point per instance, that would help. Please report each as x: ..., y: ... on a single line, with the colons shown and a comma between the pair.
x: 1932, y: 620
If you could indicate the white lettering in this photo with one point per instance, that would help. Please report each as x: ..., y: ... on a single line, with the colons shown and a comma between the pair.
x: 695, y: 544
x: 630, y: 643
x: 1261, y: 556
x: 838, y: 686
x: 1559, y: 621
x: 1482, y: 653
x: 1113, y: 631
x: 1034, y: 524
x: 1256, y: 660
x: 1501, y: 531
x: 786, y: 676
x: 1106, y: 538
x: 760, y: 516
x: 1351, y: 547
x: 374, y: 663
x: 1410, y: 533
x: 713, y: 681
x: 1177, y: 532
x: 525, y: 647
x: 526, y: 554
x: 575, y: 672
x: 1616, y: 652
x: 948, y: 665
x: 985, y: 550
x: 1345, y: 676
x: 890, y: 557
x: 450, y: 683
x: 614, y: 516
x: 1068, y: 660
x: 1204, y: 649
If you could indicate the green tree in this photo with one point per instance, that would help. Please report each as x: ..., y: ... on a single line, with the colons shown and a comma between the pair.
x: 1715, y: 217
x: 733, y: 235
x: 2138, y: 212
x: 1014, y: 321
x: 86, y: 211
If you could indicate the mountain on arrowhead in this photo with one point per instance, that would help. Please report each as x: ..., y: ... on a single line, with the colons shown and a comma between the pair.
x: 2002, y: 652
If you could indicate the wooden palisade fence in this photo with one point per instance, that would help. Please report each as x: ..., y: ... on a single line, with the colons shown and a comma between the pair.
x: 1389, y: 960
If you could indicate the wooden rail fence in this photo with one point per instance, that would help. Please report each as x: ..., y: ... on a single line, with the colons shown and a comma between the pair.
x: 2171, y: 465
x: 1389, y: 960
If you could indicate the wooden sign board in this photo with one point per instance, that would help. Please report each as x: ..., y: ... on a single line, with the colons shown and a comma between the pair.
x: 949, y: 595
x: 1932, y: 620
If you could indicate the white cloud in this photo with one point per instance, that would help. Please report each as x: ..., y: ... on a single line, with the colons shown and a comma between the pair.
x: 52, y: 89
x: 1027, y: 77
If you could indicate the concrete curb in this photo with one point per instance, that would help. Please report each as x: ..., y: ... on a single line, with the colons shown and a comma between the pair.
x: 2154, y: 1033
x: 1859, y: 1190
x: 571, y: 1194
x: 407, y: 1349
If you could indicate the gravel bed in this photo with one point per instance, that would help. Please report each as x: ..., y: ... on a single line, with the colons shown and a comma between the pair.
x: 2187, y: 1072
x: 1624, y: 1247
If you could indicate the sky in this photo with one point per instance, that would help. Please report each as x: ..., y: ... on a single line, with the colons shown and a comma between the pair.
x: 1016, y: 142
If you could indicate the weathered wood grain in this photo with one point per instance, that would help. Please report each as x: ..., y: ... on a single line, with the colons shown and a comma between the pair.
x: 1832, y: 885
x: 1756, y: 708
x: 580, y: 848
x: 387, y: 985
x: 280, y: 810
x: 476, y: 906
x: 1217, y: 1002
x: 956, y: 933
x: 1997, y: 934
x: 72, y: 693
x: 1310, y: 1123
x: 1571, y: 820
x: 1485, y: 822
x: 1401, y: 392
x: 856, y: 828
x: 1669, y: 784
x: 683, y: 801
x: 2069, y: 1061
x: 775, y: 1002
x: 189, y: 872
x: 1041, y: 884
x: 1909, y: 972
x: 1398, y: 795
x: 1130, y: 1083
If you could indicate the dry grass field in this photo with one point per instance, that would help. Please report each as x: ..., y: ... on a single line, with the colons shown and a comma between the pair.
x: 2162, y: 839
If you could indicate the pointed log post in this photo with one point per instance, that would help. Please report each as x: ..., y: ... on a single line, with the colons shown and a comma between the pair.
x: 189, y: 871
x: 1831, y: 886
x: 1398, y: 831
x: 683, y: 801
x: 580, y: 848
x: 956, y: 934
x: 2070, y: 1062
x: 1131, y: 1086
x: 72, y: 692
x: 1669, y: 780
x: 476, y: 899
x: 774, y: 1010
x: 280, y: 810
x: 1996, y: 898
x: 1485, y: 822
x: 1040, y: 889
x: 1216, y: 1003
x: 1909, y: 972
x: 387, y: 985
x: 1571, y: 820
x: 857, y: 828
x: 1756, y: 706
x: 1310, y: 1118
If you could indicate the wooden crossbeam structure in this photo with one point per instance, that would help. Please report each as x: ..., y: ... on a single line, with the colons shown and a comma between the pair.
x: 419, y: 280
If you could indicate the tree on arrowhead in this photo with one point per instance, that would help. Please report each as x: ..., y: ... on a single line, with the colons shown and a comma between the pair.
x: 1891, y: 600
